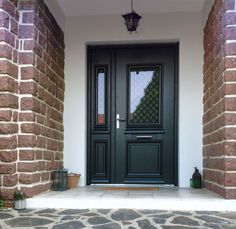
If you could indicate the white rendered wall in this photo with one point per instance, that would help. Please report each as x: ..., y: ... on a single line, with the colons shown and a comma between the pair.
x: 57, y: 12
x: 183, y: 27
x: 206, y: 10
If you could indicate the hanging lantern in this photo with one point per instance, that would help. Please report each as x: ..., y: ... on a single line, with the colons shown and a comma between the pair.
x: 131, y: 19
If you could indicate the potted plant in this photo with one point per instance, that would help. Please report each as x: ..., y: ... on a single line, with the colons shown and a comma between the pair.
x: 19, y: 200
x: 73, y: 179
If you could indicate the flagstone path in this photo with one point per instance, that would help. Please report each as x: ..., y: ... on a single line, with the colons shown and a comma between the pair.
x: 115, y: 219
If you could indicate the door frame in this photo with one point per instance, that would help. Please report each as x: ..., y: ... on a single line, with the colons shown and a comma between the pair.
x: 174, y: 45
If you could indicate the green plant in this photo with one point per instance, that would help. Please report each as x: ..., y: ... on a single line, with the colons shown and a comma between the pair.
x: 19, y: 195
x: 1, y: 203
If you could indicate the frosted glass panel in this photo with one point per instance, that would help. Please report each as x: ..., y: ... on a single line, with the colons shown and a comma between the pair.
x: 101, y: 96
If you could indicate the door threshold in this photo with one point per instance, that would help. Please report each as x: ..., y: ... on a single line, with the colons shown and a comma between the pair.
x: 133, y: 185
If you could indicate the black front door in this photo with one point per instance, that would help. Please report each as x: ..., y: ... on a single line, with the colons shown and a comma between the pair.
x: 132, y: 115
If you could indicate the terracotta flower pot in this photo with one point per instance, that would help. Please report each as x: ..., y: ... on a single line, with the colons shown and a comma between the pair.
x: 73, y: 180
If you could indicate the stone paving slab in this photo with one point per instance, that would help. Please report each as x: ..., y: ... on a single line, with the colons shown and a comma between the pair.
x: 115, y: 219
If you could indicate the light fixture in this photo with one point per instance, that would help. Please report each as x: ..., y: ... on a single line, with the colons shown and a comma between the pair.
x: 131, y: 19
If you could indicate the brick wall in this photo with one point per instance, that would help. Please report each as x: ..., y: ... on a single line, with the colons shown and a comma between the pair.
x: 219, y: 120
x: 9, y: 104
x: 31, y: 96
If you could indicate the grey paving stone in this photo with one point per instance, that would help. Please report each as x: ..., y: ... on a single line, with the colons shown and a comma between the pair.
x: 228, y: 226
x: 206, y: 212
x: 125, y: 214
x: 131, y: 227
x: 4, y: 215
x: 27, y: 222
x: 228, y: 215
x: 165, y: 216
x: 40, y: 227
x: 104, y: 211
x: 159, y: 221
x: 180, y: 227
x: 69, y: 225
x: 5, y: 210
x: 26, y: 214
x: 46, y: 211
x: 183, y: 220
x: 212, y: 225
x: 212, y: 219
x: 48, y: 215
x: 98, y: 220
x: 108, y: 226
x: 68, y: 217
x: 73, y: 211
x: 25, y: 211
x: 182, y: 213
x: 145, y: 224
x: 148, y: 212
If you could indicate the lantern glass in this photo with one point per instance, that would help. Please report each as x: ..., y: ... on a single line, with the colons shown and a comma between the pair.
x: 131, y: 21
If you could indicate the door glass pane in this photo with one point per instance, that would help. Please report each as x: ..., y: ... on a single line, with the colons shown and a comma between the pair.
x: 100, y: 96
x: 144, y: 101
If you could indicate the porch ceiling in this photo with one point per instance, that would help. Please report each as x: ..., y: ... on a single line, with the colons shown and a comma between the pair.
x: 110, y: 7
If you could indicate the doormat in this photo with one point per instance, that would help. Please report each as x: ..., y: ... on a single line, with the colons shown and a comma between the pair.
x: 129, y: 189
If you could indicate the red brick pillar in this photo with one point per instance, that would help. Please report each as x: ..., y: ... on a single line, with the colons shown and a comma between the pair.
x: 9, y: 17
x: 219, y: 118
x: 41, y: 89
x: 31, y: 97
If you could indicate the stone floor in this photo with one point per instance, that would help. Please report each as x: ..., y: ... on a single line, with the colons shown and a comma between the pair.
x: 114, y: 219
x: 165, y: 198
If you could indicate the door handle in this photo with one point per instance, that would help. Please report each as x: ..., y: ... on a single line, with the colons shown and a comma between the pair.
x: 121, y: 119
x: 144, y: 137
x: 118, y: 120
